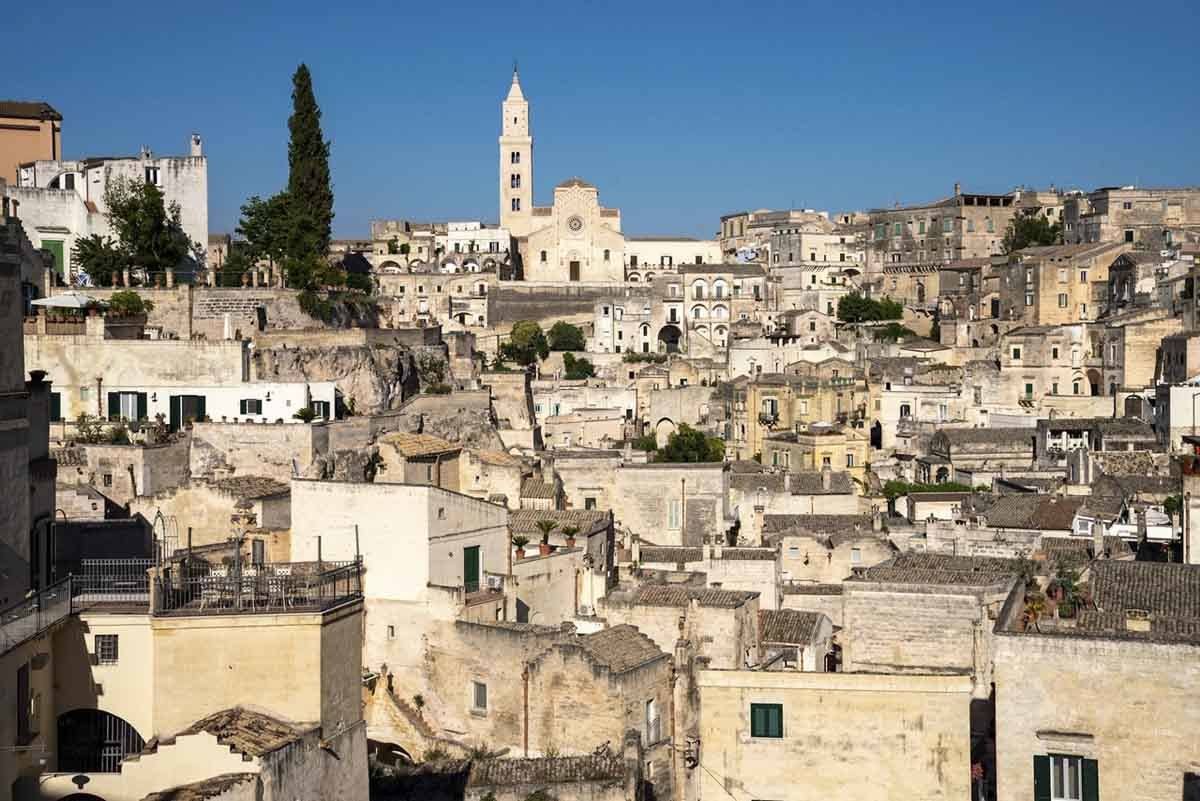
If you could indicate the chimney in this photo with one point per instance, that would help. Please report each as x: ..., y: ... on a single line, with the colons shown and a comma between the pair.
x: 826, y: 478
x: 876, y: 519
x: 1098, y: 551
x: 197, y: 146
x: 635, y: 549
x: 758, y: 525
x: 1141, y: 524
x: 957, y: 189
x: 787, y: 481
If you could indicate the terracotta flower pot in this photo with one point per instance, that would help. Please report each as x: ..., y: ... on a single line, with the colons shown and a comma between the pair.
x: 570, y: 542
x: 544, y: 548
x: 520, y: 553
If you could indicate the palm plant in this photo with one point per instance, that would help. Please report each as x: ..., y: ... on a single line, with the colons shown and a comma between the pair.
x: 569, y: 532
x: 546, y: 526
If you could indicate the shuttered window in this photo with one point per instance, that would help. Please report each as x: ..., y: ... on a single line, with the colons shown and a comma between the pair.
x: 766, y: 720
x: 1064, y: 777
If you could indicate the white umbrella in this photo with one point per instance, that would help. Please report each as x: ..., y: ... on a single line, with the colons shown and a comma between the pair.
x: 67, y: 300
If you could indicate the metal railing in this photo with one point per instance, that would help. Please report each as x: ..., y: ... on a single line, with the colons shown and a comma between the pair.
x: 35, y: 614
x: 124, y: 581
x: 191, y: 588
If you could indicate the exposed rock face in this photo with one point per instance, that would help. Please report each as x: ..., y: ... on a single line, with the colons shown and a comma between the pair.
x: 375, y: 377
x: 358, y: 465
x: 471, y: 428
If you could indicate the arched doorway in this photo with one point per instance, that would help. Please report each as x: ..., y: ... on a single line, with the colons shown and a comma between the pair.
x: 663, y: 430
x: 1133, y: 406
x: 670, y: 335
x: 1093, y: 377
x: 95, y: 741
x: 877, y: 435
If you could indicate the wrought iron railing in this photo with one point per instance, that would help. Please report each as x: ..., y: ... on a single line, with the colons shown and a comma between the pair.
x: 124, y: 581
x: 35, y: 614
x: 190, y: 588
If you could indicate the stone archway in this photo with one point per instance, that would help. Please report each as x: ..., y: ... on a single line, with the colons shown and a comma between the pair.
x: 663, y: 430
x: 95, y: 741
x: 670, y: 336
x: 1095, y: 383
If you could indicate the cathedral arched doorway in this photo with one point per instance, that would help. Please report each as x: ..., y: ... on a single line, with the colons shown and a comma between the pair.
x: 670, y: 335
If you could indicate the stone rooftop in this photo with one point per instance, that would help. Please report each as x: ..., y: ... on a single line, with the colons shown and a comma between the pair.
x: 1076, y: 552
x: 546, y: 770
x: 1034, y: 511
x: 412, y: 446
x: 810, y: 588
x: 252, y: 487
x: 213, y: 787
x: 840, y: 527
x: 588, y: 521
x: 244, y: 730
x: 535, y: 488
x: 959, y: 437
x: 788, y: 626
x: 681, y: 596
x: 620, y: 648
x: 668, y: 554
x: 916, y: 567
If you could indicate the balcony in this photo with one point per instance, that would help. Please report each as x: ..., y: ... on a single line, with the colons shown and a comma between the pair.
x: 768, y: 418
x: 35, y: 614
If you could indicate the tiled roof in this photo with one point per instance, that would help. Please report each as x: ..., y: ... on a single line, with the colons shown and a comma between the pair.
x: 940, y: 569
x: 1123, y: 463
x: 1075, y: 552
x: 1162, y: 589
x: 536, y: 488
x: 748, y: 554
x: 992, y: 436
x: 620, y: 648
x: 832, y: 529
x: 722, y: 269
x: 246, y: 731
x: 411, y: 445
x: 28, y: 110
x: 810, y: 588
x: 1128, y: 486
x: 811, y: 482
x: 789, y: 626
x: 1105, y: 507
x: 252, y: 487
x: 499, y: 458
x: 204, y: 789
x: 546, y: 770
x: 1032, y: 511
x: 524, y: 521
x: 670, y: 555
x: 1108, y: 426
x: 675, y: 595
x: 751, y: 482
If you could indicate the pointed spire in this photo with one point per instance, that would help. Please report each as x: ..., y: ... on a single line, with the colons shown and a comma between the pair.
x: 514, y: 92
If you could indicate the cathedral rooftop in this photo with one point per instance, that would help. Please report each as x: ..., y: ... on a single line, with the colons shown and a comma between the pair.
x: 576, y: 181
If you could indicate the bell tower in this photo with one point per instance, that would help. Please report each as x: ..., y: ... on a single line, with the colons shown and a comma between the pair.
x: 516, y: 162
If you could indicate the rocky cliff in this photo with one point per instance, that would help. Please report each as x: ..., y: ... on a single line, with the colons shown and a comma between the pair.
x: 375, y: 377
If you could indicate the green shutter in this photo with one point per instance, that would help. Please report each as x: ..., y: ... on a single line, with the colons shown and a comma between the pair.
x: 1041, y: 778
x: 114, y: 406
x: 55, y: 406
x: 142, y: 408
x: 775, y: 716
x: 766, y: 720
x: 1091, y: 780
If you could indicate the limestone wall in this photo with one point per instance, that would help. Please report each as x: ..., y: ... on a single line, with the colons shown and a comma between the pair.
x: 844, y: 736
x: 1132, y: 706
x: 547, y: 587
x: 256, y: 450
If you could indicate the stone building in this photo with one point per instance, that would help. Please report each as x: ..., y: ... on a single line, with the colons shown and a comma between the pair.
x: 1136, y: 649
x: 755, y: 491
x: 647, y: 256
x: 820, y: 447
x: 454, y: 301
x: 27, y: 471
x: 1057, y: 284
x: 926, y: 613
x: 1152, y: 218
x: 795, y: 640
x: 925, y: 236
x: 1044, y: 362
x: 407, y: 458
x: 971, y: 455
x: 862, y: 736
x: 723, y: 567
x: 722, y: 624
x: 825, y: 548
x: 29, y: 131
x: 63, y: 201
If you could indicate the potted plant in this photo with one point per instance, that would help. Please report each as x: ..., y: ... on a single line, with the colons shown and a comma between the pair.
x: 569, y: 532
x: 545, y: 526
x: 520, y: 541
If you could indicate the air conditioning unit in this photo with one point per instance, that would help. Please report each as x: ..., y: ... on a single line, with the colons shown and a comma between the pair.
x: 495, y: 583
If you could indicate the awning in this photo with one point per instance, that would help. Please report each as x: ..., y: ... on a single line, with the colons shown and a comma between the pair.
x: 67, y: 300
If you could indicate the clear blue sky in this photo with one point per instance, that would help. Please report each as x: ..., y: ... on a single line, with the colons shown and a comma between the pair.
x: 678, y: 111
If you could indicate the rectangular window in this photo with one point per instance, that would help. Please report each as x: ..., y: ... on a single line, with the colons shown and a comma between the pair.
x: 589, y: 503
x: 1083, y: 276
x: 1028, y: 298
x: 1054, y: 353
x: 1028, y: 390
x: 1016, y: 354
x: 849, y: 460
x: 479, y: 696
x: 1128, y: 234
x: 673, y: 515
x: 1062, y: 300
x: 152, y: 176
x: 258, y: 552
x: 766, y: 720
x: 391, y: 632
x: 947, y: 225
x: 106, y: 649
x: 250, y: 406
x: 653, y: 722
x: 856, y: 556
x: 515, y: 157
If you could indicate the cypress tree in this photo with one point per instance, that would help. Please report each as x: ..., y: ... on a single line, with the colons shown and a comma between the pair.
x: 309, y: 189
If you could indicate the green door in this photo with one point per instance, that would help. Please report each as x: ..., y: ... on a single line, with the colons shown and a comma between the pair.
x: 471, y: 568
x: 55, y: 246
x: 186, y: 409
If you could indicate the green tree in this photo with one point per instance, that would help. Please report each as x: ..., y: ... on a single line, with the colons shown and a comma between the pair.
x: 577, y: 369
x: 893, y: 332
x: 264, y: 225
x: 856, y: 308
x: 100, y: 257
x: 686, y: 444
x: 564, y: 336
x: 149, y: 231
x: 1031, y: 229
x: 310, y: 190
x: 526, y: 343
x: 647, y: 442
x: 128, y: 303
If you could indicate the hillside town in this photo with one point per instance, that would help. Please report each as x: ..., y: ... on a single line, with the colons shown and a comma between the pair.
x: 533, y: 509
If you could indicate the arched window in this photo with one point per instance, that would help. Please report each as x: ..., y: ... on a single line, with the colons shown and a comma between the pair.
x: 699, y: 289
x: 94, y: 741
x: 699, y: 312
x: 606, y: 255
x: 543, y: 256
x: 516, y: 204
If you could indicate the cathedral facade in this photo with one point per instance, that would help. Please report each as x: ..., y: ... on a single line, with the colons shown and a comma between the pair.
x: 575, y: 239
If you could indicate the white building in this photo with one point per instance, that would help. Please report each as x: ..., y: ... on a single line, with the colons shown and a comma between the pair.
x: 63, y: 200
